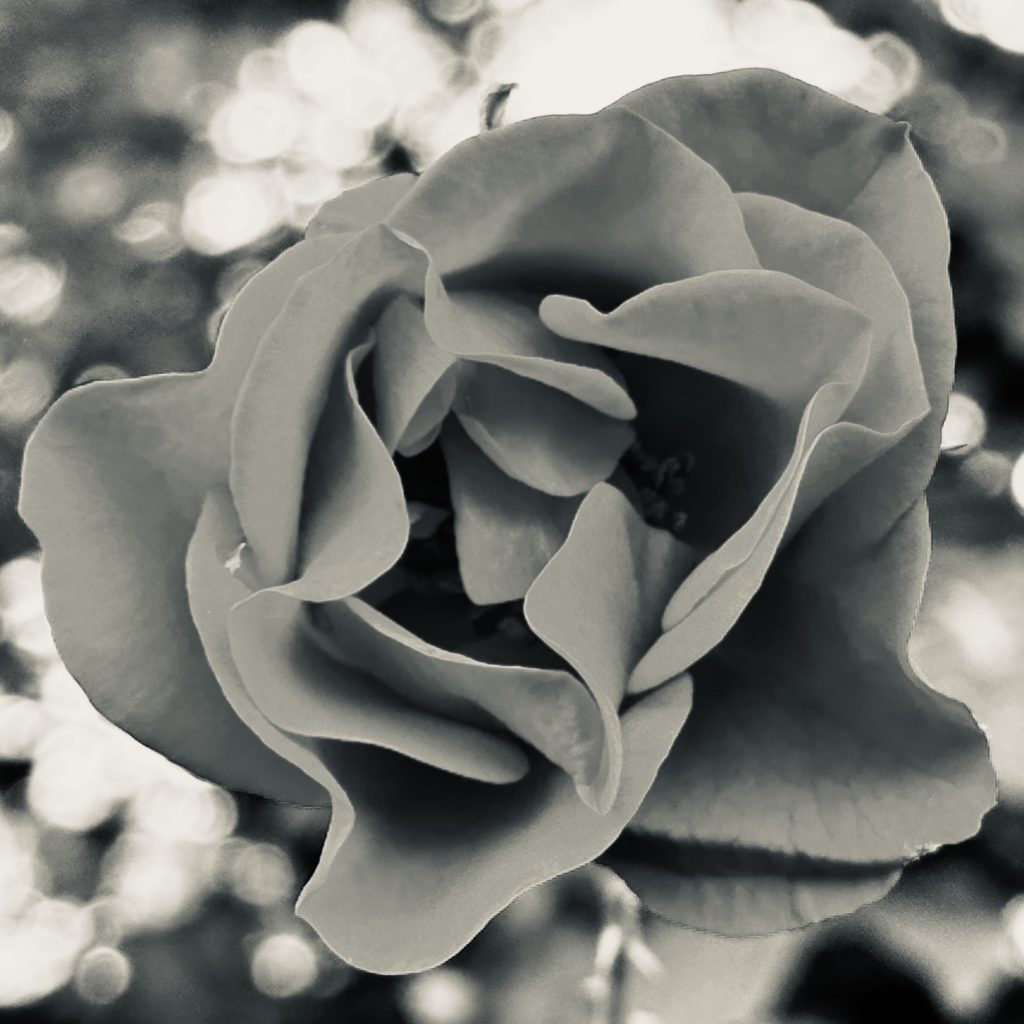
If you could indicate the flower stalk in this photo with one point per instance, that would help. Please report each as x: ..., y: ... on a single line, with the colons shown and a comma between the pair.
x: 620, y: 946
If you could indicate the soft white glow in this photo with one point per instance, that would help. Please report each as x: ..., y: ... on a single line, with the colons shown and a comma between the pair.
x: 231, y: 209
x: 988, y: 471
x: 1000, y: 21
x: 184, y: 809
x: 334, y: 142
x: 254, y: 125
x: 799, y: 38
x: 980, y: 140
x: 283, y: 965
x: 18, y: 864
x: 152, y: 231
x: 261, y: 874
x: 27, y: 386
x: 444, y: 995
x: 22, y: 722
x: 29, y: 288
x: 977, y: 623
x: 38, y: 950
x: 103, y: 975
x: 319, y: 58
x: 156, y: 885
x: 964, y: 427
x: 69, y: 785
x: 8, y: 130
x: 1017, y: 483
x: 90, y: 192
x: 454, y: 12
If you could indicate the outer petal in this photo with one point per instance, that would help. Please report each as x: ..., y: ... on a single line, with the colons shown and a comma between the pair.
x: 842, y: 259
x: 420, y: 840
x: 811, y: 736
x: 791, y: 140
x: 740, y: 892
x: 548, y: 708
x: 132, y: 461
x: 431, y: 858
x: 361, y: 207
x: 604, y: 199
x: 800, y: 349
x: 505, y: 532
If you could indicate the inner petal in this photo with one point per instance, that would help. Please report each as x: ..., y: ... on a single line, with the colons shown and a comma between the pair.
x: 537, y: 435
x: 548, y: 708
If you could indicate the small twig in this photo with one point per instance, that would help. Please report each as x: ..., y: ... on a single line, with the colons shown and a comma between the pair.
x: 619, y: 946
x: 492, y: 113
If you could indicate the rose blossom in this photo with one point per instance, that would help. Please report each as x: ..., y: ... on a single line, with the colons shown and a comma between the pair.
x: 565, y: 501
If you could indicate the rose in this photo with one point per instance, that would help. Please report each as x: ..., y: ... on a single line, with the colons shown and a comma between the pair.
x: 683, y: 362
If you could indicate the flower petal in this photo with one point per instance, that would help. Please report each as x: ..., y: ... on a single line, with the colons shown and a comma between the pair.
x: 505, y: 532
x: 796, y: 346
x: 827, y: 155
x: 272, y: 640
x: 288, y: 383
x: 738, y: 892
x: 605, y: 198
x: 354, y: 524
x: 548, y: 708
x: 767, y: 331
x: 413, y: 379
x: 114, y: 523
x: 505, y: 331
x: 542, y: 438
x: 811, y: 735
x: 766, y: 132
x: 431, y: 858
x: 840, y: 258
x: 360, y: 207
x: 599, y: 602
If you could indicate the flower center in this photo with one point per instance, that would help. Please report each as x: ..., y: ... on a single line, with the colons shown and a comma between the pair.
x: 660, y: 481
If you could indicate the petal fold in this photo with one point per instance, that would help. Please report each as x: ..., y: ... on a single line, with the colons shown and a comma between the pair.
x: 272, y: 640
x: 548, y: 708
x: 505, y: 531
x: 811, y: 735
x: 288, y: 383
x: 535, y: 434
x: 606, y: 198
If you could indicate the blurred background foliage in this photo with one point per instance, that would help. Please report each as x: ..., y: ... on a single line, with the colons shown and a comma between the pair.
x: 156, y: 153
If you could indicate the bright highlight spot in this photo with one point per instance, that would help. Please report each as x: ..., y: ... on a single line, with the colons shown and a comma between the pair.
x: 1017, y: 483
x: 283, y: 965
x: 90, y: 192
x: 254, y: 125
x: 8, y: 130
x: 444, y: 995
x: 29, y: 289
x: 228, y: 210
x: 318, y: 57
x: 964, y: 427
x: 103, y: 975
x: 183, y: 809
x: 454, y: 12
x: 260, y: 874
x: 38, y: 950
x: 152, y: 231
